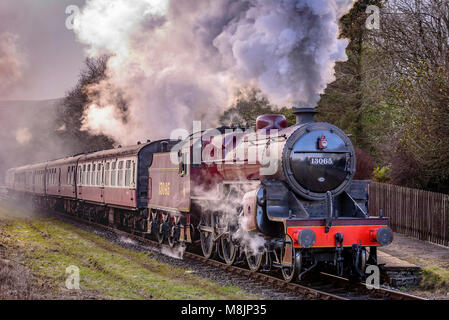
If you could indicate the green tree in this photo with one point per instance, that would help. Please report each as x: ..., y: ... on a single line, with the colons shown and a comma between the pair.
x: 347, y: 101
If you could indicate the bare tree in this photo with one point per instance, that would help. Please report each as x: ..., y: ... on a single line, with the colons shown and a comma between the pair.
x: 72, y: 108
x: 415, y: 44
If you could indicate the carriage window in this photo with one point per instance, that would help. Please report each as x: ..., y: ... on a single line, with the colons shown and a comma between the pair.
x: 70, y: 176
x: 113, y: 173
x: 99, y: 174
x: 106, y: 174
x: 94, y: 173
x: 134, y: 172
x: 128, y: 173
x: 83, y: 177
x: 88, y: 175
x: 120, y: 174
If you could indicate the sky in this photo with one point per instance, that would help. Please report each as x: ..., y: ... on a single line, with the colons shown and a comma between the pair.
x: 52, y: 57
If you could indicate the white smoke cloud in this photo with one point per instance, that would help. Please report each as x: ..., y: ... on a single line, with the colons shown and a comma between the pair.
x: 102, y: 120
x: 178, y: 61
x: 11, y: 62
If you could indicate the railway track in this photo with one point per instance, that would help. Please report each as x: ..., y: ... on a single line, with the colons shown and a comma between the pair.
x: 323, y: 287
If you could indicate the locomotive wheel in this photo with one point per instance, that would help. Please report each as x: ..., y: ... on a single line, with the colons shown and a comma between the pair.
x: 171, y: 241
x: 228, y: 246
x: 171, y: 237
x: 254, y: 260
x: 160, y: 234
x: 229, y: 249
x: 207, y: 236
x: 290, y: 273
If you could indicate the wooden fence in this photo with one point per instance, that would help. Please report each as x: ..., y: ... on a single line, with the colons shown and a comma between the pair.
x: 413, y: 212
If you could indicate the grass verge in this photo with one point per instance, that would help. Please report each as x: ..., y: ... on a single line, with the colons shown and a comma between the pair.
x: 107, y: 271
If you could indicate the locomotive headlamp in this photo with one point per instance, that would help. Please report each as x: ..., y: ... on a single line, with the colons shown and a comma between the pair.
x: 322, y: 142
x: 384, y: 236
x: 306, y: 238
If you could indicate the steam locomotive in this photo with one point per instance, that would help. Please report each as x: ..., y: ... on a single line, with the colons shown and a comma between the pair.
x: 276, y: 197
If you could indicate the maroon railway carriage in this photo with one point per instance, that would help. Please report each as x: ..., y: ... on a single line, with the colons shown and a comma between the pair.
x: 60, y: 178
x: 28, y: 180
x: 108, y: 186
x: 112, y: 185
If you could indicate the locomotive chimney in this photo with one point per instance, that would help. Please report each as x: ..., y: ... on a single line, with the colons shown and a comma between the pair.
x: 304, y: 115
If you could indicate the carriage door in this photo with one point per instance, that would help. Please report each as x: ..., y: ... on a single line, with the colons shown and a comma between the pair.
x: 101, y: 176
x: 184, y: 178
x: 59, y: 181
x: 74, y: 178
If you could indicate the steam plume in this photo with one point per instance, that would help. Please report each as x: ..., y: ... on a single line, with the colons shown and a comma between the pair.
x: 11, y: 62
x: 177, y: 61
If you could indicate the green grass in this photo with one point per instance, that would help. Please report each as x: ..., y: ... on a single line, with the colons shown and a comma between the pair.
x: 107, y: 270
x: 435, y: 278
x: 435, y: 275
